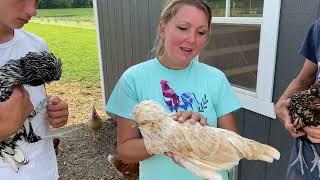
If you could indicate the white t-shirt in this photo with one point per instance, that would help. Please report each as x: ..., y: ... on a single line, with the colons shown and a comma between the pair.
x: 42, y: 159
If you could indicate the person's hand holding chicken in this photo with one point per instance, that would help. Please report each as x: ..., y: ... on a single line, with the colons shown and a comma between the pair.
x: 58, y: 112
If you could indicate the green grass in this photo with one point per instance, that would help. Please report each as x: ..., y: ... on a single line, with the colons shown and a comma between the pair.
x: 75, y: 46
x: 79, y: 12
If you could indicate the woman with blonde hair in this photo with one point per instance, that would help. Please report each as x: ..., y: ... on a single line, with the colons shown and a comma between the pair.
x: 194, y: 91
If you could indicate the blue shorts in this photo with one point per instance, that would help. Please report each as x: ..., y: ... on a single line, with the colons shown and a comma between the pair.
x: 294, y: 174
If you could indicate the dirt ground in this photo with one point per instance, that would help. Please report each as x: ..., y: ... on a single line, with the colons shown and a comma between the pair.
x: 80, y: 157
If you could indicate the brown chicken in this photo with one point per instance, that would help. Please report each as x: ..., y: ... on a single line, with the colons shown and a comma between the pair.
x: 127, y: 171
x: 56, y: 145
x: 95, y: 124
x: 203, y: 150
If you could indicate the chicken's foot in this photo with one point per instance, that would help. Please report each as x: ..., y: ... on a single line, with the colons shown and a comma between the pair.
x: 95, y: 135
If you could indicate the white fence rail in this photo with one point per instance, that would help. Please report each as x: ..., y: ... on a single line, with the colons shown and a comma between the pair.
x: 79, y: 22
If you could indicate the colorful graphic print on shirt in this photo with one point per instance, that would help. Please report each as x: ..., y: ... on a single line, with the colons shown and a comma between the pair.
x: 185, y: 101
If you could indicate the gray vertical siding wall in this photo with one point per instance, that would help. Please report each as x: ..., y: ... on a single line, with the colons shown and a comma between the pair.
x: 127, y: 31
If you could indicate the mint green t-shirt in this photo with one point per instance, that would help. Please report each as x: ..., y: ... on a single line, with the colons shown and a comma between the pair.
x: 199, y: 88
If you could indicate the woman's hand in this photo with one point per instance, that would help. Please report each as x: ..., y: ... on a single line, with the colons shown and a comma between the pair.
x: 192, y: 118
x: 282, y: 111
x: 57, y: 112
x: 189, y: 116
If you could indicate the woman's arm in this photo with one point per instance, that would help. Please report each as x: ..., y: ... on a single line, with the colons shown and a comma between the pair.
x: 228, y: 122
x: 130, y: 145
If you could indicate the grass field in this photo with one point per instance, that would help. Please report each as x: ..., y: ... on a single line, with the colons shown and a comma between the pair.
x: 70, y: 40
x: 75, y: 46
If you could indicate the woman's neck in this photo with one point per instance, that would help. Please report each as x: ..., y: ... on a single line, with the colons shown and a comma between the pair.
x: 166, y: 62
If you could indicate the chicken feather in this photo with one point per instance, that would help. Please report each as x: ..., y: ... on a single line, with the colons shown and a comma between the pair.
x: 203, y: 150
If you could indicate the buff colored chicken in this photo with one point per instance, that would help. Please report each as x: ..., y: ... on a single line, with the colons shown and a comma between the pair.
x: 95, y: 124
x: 203, y: 150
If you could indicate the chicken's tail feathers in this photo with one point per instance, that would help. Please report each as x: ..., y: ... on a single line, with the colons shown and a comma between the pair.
x: 201, y: 168
x: 15, y: 157
x: 111, y: 159
x: 270, y: 154
x: 93, y: 108
x: 60, y: 133
x: 125, y: 170
x: 262, y: 152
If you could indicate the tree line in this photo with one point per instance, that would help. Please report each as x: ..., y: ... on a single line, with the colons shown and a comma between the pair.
x: 51, y: 4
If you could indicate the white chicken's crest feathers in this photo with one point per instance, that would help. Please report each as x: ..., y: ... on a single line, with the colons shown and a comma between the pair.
x: 149, y: 111
x: 203, y: 150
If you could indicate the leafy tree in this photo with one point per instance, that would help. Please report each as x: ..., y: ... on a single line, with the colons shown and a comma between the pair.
x: 51, y: 4
x: 82, y: 3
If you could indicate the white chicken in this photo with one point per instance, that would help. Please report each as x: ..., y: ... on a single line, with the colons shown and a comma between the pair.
x: 203, y: 150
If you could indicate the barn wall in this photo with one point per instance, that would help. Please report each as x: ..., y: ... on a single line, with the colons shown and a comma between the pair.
x: 127, y: 30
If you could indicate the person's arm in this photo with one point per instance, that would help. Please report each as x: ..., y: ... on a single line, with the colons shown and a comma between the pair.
x: 303, y: 81
x: 130, y: 145
x: 228, y: 122
x: 13, y: 112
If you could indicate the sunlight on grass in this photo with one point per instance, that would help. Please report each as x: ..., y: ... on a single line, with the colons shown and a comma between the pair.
x: 75, y: 46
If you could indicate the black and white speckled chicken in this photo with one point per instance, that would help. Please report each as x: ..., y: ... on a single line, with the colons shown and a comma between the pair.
x: 305, y: 111
x: 305, y: 107
x: 35, y: 68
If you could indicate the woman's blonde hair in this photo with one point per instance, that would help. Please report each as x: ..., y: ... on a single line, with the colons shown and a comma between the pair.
x: 170, y: 10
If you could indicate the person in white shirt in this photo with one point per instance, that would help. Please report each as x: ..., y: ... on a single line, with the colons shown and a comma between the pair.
x: 14, y: 44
